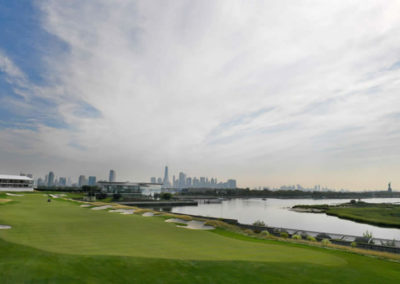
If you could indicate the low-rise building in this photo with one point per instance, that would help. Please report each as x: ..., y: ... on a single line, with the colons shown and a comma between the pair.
x: 15, y: 183
x: 130, y: 188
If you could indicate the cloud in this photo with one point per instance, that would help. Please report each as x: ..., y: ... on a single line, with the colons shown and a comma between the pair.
x: 263, y: 92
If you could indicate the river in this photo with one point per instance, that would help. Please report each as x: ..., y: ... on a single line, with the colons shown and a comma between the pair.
x: 276, y: 213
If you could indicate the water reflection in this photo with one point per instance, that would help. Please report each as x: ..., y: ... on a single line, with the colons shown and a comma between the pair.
x: 276, y: 213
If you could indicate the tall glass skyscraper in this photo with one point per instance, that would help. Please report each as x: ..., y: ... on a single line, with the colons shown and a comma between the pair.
x: 112, y: 176
x: 166, y: 182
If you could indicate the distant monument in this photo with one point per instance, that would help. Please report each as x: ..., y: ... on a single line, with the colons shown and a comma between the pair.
x: 389, y: 187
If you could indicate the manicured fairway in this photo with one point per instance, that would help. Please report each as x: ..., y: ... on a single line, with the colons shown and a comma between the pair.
x: 61, y: 241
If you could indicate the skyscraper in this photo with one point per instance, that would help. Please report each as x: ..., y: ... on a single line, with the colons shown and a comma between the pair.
x: 92, y: 181
x: 82, y: 180
x: 166, y: 182
x: 153, y: 179
x: 62, y: 181
x: 112, y: 176
x: 50, y: 181
x: 182, y: 180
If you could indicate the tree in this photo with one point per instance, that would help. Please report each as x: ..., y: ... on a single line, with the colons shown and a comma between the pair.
x: 165, y: 196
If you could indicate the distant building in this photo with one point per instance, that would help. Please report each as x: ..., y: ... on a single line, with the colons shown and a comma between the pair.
x: 159, y: 180
x: 153, y: 180
x: 112, y: 177
x: 62, y: 181
x: 15, y: 183
x: 390, y: 187
x: 50, y: 181
x: 92, y: 181
x: 166, y: 182
x: 129, y: 188
x: 182, y: 180
x: 231, y: 183
x: 82, y: 180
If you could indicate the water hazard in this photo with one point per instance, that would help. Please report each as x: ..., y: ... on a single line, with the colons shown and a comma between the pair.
x: 277, y: 213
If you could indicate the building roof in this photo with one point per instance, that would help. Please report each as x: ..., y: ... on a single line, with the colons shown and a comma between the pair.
x: 14, y: 177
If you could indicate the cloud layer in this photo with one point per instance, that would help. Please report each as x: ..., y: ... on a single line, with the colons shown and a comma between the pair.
x: 266, y: 92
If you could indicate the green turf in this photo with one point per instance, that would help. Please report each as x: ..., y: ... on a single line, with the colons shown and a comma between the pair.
x: 384, y: 214
x: 62, y: 242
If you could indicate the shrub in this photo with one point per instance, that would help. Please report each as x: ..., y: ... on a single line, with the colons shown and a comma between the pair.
x: 325, y: 242
x: 101, y: 196
x: 360, y: 240
x: 265, y: 233
x: 284, y: 235
x: 296, y: 237
x: 353, y: 244
x: 116, y: 196
x: 311, y: 239
x: 248, y: 232
x: 165, y: 196
x: 367, y: 235
x: 259, y: 223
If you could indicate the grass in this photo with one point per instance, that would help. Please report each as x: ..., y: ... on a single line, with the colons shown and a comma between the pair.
x: 62, y: 242
x: 383, y: 214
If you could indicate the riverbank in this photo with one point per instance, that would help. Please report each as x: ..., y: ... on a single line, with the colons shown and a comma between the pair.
x: 384, y: 214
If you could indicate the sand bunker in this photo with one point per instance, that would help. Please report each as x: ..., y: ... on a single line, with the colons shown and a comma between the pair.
x: 4, y: 227
x: 148, y: 214
x: 102, y: 207
x: 57, y: 195
x: 123, y: 211
x: 13, y: 194
x: 194, y: 225
x: 86, y: 205
x: 4, y: 200
x: 197, y: 225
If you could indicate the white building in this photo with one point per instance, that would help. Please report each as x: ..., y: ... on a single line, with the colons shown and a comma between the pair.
x: 15, y: 183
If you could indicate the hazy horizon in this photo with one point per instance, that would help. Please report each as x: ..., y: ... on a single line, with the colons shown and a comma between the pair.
x: 268, y: 93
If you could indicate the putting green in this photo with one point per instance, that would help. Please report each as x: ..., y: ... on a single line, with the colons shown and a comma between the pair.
x: 64, y: 229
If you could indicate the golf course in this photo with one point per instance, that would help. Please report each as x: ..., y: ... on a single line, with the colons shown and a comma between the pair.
x: 62, y: 242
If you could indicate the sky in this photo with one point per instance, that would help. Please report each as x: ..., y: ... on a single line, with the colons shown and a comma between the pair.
x: 266, y: 92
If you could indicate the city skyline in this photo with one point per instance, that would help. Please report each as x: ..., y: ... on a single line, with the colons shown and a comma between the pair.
x: 256, y: 92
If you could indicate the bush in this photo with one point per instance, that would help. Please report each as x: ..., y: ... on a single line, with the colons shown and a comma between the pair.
x: 296, y: 237
x: 259, y: 223
x: 311, y: 239
x: 116, y: 196
x: 325, y: 242
x: 284, y: 235
x: 165, y: 196
x: 265, y: 234
x: 101, y: 196
x: 248, y: 232
x: 361, y: 240
x: 368, y: 235
x: 353, y: 244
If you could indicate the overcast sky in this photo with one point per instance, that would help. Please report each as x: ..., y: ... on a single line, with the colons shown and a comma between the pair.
x: 267, y: 92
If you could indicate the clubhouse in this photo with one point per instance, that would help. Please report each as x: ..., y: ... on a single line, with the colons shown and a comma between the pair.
x: 130, y: 188
x: 15, y: 183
